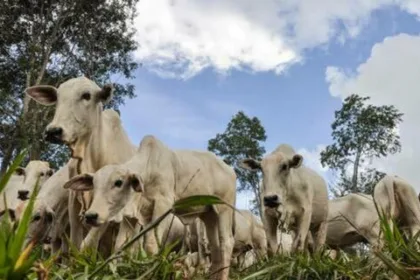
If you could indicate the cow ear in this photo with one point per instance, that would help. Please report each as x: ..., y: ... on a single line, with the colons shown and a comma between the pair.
x: 250, y: 164
x: 135, y: 181
x: 296, y: 161
x: 105, y: 94
x: 20, y: 171
x: 45, y: 95
x: 82, y: 182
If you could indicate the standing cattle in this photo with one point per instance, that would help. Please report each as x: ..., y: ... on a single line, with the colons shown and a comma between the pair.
x: 397, y: 200
x: 50, y: 212
x: 164, y: 176
x: 35, y: 171
x: 297, y: 192
x: 22, y: 183
x: 351, y: 219
x: 9, y: 200
x: 95, y: 137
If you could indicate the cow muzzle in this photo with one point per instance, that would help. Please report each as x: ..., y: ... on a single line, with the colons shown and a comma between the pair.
x: 54, y: 135
x: 271, y: 201
x: 23, y: 195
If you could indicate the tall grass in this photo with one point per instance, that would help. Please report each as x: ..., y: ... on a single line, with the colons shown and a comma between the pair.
x: 398, y: 259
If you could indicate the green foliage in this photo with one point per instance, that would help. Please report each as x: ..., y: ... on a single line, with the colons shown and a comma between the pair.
x: 242, y: 138
x: 48, y: 42
x: 361, y: 132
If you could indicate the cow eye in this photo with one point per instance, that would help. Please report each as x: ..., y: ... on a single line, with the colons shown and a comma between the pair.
x: 283, y: 167
x: 86, y: 96
x: 36, y: 217
x: 42, y: 174
x: 118, y: 183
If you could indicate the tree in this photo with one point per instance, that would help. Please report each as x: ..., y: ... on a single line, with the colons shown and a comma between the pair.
x: 361, y: 132
x: 242, y: 138
x: 48, y: 42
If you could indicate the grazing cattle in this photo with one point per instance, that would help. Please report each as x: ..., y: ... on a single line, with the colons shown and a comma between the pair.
x: 295, y: 191
x: 351, y: 219
x: 50, y: 212
x: 249, y: 235
x: 396, y: 199
x: 95, y: 137
x: 164, y: 176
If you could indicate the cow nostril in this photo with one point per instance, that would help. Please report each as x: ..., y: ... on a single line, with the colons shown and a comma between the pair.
x: 54, y: 135
x: 49, y: 217
x: 23, y: 195
x: 91, y: 217
x: 271, y: 200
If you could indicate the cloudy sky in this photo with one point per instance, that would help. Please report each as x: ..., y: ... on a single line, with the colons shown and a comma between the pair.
x: 288, y: 62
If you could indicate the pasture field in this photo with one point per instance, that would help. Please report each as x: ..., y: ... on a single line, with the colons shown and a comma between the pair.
x: 399, y: 259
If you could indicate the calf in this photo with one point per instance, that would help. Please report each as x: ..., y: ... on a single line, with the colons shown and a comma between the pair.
x: 296, y: 191
x: 164, y: 176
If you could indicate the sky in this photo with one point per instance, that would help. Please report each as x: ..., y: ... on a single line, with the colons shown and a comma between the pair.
x: 288, y: 62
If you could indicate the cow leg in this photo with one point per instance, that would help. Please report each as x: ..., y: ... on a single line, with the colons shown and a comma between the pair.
x: 125, y: 232
x: 270, y: 226
x: 154, y: 237
x: 76, y: 227
x: 93, y: 237
x: 203, y: 245
x: 211, y: 222
x: 320, y: 236
x: 304, y: 222
x: 221, y: 240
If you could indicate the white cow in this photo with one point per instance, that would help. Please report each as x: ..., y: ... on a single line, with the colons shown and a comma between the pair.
x: 95, y: 137
x: 8, y: 197
x: 351, y: 219
x: 164, y: 176
x: 36, y: 171
x: 297, y: 192
x: 50, y: 212
x: 397, y: 200
x: 23, y: 182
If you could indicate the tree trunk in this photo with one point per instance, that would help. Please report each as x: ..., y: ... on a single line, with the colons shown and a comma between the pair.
x: 355, y: 171
x: 257, y: 194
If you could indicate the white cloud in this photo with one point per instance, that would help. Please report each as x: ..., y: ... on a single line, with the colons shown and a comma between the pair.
x: 312, y: 159
x: 390, y: 76
x: 180, y: 38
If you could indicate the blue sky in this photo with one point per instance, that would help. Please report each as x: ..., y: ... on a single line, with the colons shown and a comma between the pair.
x: 291, y: 69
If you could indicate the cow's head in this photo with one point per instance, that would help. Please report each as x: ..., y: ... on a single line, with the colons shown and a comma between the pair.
x: 113, y: 186
x: 35, y: 171
x: 41, y: 223
x: 79, y: 103
x: 276, y: 169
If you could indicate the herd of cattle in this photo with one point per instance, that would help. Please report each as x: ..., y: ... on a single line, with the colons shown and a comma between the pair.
x: 110, y: 189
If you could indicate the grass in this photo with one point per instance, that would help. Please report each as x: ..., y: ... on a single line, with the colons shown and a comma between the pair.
x: 398, y: 259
